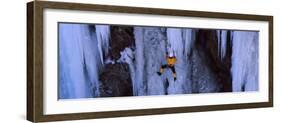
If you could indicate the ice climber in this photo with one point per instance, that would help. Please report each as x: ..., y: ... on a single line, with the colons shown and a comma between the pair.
x: 171, y: 60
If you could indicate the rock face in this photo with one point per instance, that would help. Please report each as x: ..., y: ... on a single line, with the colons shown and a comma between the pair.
x: 115, y: 81
x: 207, y: 62
x: 121, y: 37
x: 225, y: 66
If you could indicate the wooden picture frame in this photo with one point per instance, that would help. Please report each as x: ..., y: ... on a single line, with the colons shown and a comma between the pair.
x: 35, y: 60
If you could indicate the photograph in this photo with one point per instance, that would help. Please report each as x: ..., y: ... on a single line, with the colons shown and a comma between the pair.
x: 90, y: 61
x: 107, y: 60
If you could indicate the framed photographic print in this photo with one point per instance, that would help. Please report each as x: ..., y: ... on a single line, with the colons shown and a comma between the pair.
x: 96, y: 61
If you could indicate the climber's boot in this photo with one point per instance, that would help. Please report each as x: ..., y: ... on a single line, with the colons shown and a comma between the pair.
x: 159, y: 73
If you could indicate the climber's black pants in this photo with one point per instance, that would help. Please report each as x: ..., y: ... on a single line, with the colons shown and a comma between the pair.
x: 172, y: 67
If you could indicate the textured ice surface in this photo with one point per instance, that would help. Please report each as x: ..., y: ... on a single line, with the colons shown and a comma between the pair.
x: 179, y: 40
x: 78, y: 62
x: 139, y: 86
x: 245, y: 61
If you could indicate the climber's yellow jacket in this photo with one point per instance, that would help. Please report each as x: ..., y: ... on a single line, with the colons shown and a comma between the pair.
x: 171, y: 60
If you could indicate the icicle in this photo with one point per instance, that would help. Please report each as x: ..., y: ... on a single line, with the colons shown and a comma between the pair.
x: 103, y: 34
x: 223, y: 43
x: 245, y: 61
x: 188, y: 40
x: 92, y: 63
x: 174, y: 36
x: 219, y: 41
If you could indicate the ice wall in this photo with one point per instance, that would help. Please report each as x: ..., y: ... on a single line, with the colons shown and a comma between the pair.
x: 154, y: 55
x: 245, y: 61
x: 180, y: 41
x: 78, y: 61
x: 139, y: 86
